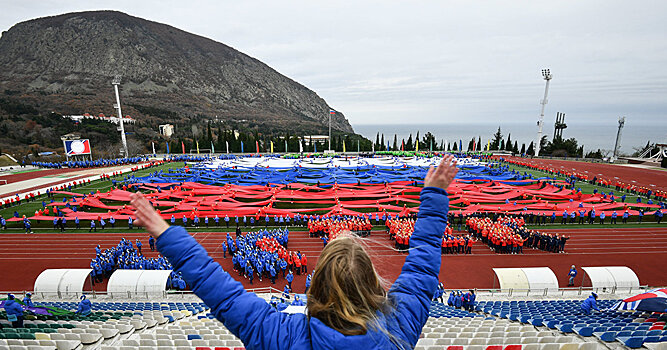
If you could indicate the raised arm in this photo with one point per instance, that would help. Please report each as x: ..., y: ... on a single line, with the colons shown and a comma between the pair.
x: 414, y: 287
x: 244, y: 314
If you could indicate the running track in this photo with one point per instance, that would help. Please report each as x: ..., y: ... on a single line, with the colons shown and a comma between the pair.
x: 23, y: 257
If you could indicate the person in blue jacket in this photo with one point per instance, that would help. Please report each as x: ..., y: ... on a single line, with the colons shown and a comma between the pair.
x: 84, y: 307
x: 27, y: 301
x: 290, y: 278
x: 590, y: 304
x: 571, y: 275
x: 337, y: 318
x: 14, y: 311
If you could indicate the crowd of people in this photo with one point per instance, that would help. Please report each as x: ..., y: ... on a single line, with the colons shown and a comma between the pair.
x: 91, y: 163
x: 508, y: 235
x: 333, y: 226
x: 573, y: 176
x: 264, y: 254
x: 400, y: 230
x: 127, y: 255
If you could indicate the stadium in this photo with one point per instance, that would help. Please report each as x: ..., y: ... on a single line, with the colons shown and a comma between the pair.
x: 516, y: 228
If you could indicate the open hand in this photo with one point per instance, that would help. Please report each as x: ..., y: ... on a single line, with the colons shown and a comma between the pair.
x: 443, y: 175
x: 147, y: 216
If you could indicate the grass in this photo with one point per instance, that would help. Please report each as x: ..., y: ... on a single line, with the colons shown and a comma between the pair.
x: 6, y: 161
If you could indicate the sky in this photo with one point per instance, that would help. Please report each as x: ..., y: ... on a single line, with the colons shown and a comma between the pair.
x: 437, y: 62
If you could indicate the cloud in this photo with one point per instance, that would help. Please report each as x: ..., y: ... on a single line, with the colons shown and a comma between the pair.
x: 436, y: 61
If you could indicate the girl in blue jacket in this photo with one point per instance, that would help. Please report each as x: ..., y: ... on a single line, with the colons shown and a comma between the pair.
x: 348, y: 307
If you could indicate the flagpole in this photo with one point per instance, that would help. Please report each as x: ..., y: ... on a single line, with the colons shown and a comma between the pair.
x: 330, y: 129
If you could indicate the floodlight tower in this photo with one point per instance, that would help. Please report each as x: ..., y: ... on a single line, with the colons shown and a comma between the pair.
x: 546, y: 74
x: 115, y: 83
x: 617, y: 145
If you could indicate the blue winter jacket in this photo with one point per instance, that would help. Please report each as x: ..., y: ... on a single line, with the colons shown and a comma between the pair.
x: 260, y: 326
x: 13, y: 308
x: 589, y: 304
x: 84, y: 307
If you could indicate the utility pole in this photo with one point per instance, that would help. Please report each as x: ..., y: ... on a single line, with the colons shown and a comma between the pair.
x: 115, y: 83
x: 546, y: 74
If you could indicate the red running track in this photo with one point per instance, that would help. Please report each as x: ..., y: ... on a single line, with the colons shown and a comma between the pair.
x: 649, y: 178
x: 23, y: 257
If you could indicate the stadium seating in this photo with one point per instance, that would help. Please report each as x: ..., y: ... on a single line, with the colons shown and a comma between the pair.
x: 632, y: 329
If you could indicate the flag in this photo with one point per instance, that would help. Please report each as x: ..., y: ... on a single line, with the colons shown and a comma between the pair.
x: 473, y: 144
x: 373, y: 146
x: 183, y: 146
x: 300, y: 146
x: 257, y: 146
x: 271, y: 146
x: 212, y: 147
x: 197, y: 146
x: 241, y: 146
x: 167, y: 147
x: 227, y: 146
x: 460, y: 145
x: 402, y: 145
x: 430, y: 147
x: 343, y: 146
x: 331, y: 111
x: 153, y: 144
x: 387, y: 145
x: 488, y: 145
x: 416, y: 145
x: 315, y: 146
x: 285, y: 145
x: 357, y: 146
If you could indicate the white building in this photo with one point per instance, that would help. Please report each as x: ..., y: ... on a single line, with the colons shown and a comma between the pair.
x: 166, y: 130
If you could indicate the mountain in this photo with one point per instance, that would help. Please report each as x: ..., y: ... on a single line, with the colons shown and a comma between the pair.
x: 65, y: 64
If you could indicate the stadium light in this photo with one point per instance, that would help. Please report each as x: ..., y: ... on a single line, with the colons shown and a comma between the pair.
x: 115, y: 82
x: 546, y: 74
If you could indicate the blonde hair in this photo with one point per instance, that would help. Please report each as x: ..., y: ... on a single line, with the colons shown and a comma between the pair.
x: 346, y: 292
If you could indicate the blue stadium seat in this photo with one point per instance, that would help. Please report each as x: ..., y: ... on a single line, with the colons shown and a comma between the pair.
x: 631, y: 342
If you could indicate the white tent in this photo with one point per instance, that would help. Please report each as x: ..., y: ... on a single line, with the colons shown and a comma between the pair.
x: 611, y: 277
x: 66, y: 282
x: 525, y: 278
x: 143, y: 282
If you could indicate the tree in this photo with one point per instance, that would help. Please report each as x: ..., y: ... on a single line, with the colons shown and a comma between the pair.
x: 382, y: 145
x: 455, y: 147
x: 395, y: 146
x: 408, y: 145
x: 470, y: 144
x: 523, y: 148
x: 497, y: 138
x: 531, y: 149
x: 479, y: 144
x: 508, y: 143
x: 377, y: 142
x: 515, y: 149
x: 502, y: 145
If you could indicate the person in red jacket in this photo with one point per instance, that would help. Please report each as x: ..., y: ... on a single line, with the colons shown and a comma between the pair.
x: 304, y: 263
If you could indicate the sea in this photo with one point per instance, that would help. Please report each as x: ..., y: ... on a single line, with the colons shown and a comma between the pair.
x: 592, y: 136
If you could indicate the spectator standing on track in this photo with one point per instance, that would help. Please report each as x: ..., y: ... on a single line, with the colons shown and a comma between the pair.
x: 139, y: 245
x: 658, y: 215
x: 151, y: 243
x: 14, y: 311
x: 571, y: 275
x: 77, y: 223
x: 92, y: 226
x: 3, y: 223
